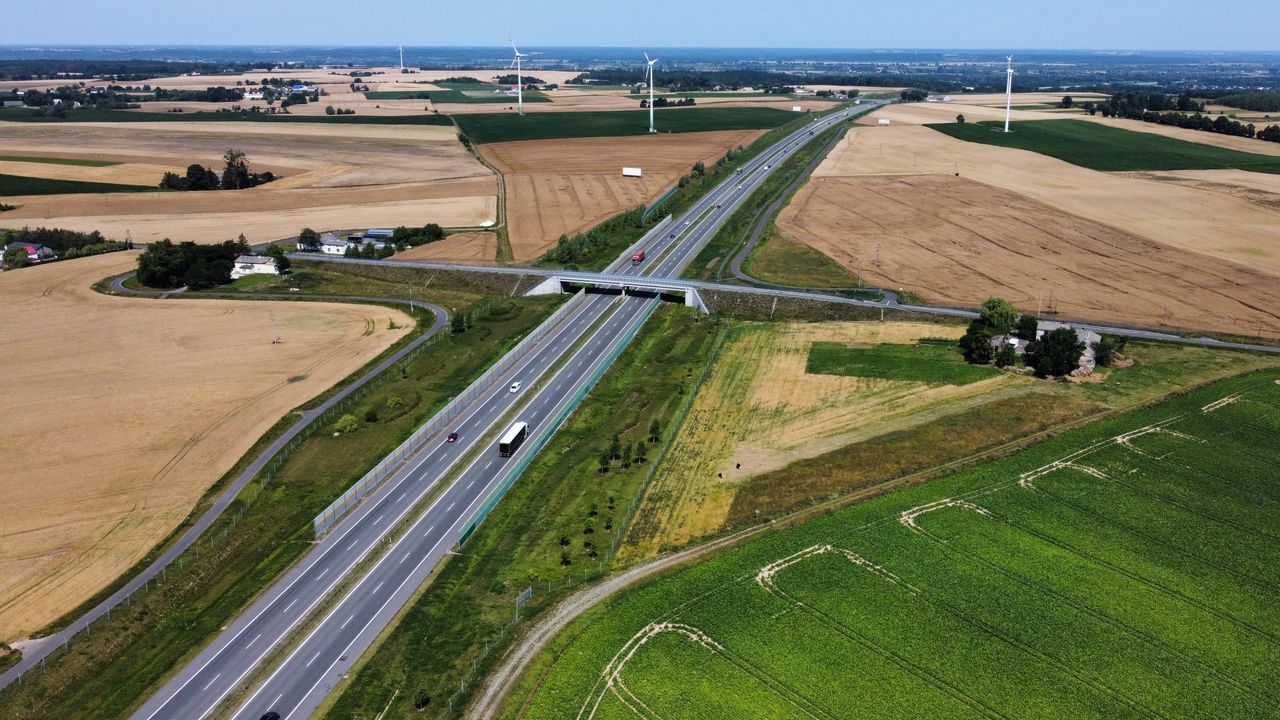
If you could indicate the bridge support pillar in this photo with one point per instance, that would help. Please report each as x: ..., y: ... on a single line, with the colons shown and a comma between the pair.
x: 551, y: 286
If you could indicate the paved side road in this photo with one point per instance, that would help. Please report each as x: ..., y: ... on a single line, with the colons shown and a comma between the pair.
x: 35, y: 651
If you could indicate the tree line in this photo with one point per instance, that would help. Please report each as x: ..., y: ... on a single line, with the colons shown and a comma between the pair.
x: 711, y: 80
x: 1260, y: 101
x: 167, y: 265
x: 662, y: 102
x: 1178, y: 110
x: 235, y: 176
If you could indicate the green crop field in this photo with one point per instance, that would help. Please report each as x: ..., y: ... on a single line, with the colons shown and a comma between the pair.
x: 94, y: 115
x: 929, y: 363
x: 505, y: 127
x: 1110, y: 149
x: 458, y: 93
x: 11, y: 185
x: 57, y: 161
x: 1126, y: 569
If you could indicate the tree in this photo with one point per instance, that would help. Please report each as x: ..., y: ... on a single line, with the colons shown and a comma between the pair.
x: 235, y: 175
x: 1057, y: 353
x: 310, y: 239
x: 1027, y: 327
x: 1106, y: 350
x: 1006, y: 356
x: 458, y: 323
x: 275, y: 252
x: 655, y: 430
x: 639, y: 453
x: 16, y: 257
x: 998, y: 315
x: 699, y: 169
x: 976, y: 344
x: 328, y: 110
x: 960, y: 118
x: 347, y: 424
x: 626, y: 455
x: 1067, y: 102
x: 605, y: 462
x: 200, y: 177
x: 615, y: 448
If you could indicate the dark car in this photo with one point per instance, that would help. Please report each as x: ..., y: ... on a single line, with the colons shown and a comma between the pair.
x: 273, y: 715
x: 453, y: 437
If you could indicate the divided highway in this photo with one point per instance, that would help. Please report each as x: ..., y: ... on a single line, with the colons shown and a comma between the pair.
x: 383, y: 568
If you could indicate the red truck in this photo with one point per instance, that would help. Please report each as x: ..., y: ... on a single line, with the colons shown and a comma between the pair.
x: 637, y: 258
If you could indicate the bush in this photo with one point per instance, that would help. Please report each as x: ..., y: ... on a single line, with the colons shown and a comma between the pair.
x: 347, y: 424
x: 371, y: 415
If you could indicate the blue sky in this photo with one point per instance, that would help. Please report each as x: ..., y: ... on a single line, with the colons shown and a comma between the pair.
x: 1113, y: 24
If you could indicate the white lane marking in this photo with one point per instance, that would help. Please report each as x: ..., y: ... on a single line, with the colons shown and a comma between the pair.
x: 313, y: 658
x: 254, y: 640
x: 215, y: 677
x: 352, y: 546
x: 322, y: 572
x: 286, y: 607
x: 375, y: 589
x: 401, y: 497
x: 450, y: 506
x: 344, y: 622
x: 473, y: 482
x: 486, y: 467
x: 406, y: 557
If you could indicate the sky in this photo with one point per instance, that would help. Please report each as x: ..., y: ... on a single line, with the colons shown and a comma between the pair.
x: 1072, y: 24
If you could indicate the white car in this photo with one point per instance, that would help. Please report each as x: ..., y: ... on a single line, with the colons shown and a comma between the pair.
x: 515, y: 387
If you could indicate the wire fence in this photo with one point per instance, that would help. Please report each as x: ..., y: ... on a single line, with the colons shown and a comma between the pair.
x: 669, y: 437
x: 392, y: 462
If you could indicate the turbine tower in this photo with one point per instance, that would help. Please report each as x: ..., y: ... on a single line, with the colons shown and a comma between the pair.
x: 1008, y: 96
x: 652, y: 129
x: 515, y: 63
x: 401, y: 59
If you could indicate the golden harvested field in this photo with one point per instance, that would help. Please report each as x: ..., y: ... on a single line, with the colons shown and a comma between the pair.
x: 956, y: 242
x: 1147, y: 219
x: 335, y: 177
x: 124, y: 411
x: 759, y: 408
x: 122, y: 174
x: 559, y: 187
x: 477, y: 247
x: 938, y: 113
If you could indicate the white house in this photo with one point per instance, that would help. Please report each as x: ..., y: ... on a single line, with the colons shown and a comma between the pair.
x: 331, y: 244
x: 253, y: 265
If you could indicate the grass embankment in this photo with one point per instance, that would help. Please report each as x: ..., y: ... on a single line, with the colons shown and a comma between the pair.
x: 94, y: 115
x: 507, y: 127
x: 1129, y: 582
x: 11, y: 185
x: 561, y: 510
x: 57, y: 161
x: 109, y: 668
x: 616, y: 234
x: 1109, y: 149
x: 931, y: 363
x: 779, y: 260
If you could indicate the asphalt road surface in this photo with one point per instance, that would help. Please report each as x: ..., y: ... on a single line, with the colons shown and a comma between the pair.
x: 457, y: 477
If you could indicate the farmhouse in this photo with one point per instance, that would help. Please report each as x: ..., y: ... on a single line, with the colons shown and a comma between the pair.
x: 35, y: 251
x: 331, y: 244
x: 253, y: 265
x: 1088, y: 361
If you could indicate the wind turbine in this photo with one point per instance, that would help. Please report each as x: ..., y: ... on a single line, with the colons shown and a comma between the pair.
x: 515, y: 63
x: 1008, y: 94
x: 402, y: 59
x: 652, y: 129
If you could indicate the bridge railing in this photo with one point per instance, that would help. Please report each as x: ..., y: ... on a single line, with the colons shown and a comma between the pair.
x: 647, y: 239
x: 391, y: 463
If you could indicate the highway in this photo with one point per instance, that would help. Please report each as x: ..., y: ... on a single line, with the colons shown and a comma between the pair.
x: 389, y: 566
